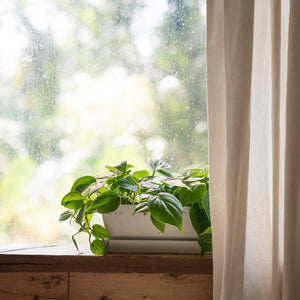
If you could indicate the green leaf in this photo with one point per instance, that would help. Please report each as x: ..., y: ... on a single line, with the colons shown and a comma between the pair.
x: 166, y: 208
x: 98, y: 247
x: 141, y: 174
x: 65, y: 215
x: 82, y: 183
x: 100, y: 232
x: 95, y: 187
x: 176, y: 182
x: 157, y: 164
x: 186, y: 196
x: 196, y: 172
x: 205, y: 240
x: 199, y: 192
x: 159, y: 225
x: 165, y: 173
x: 199, y: 218
x: 74, y: 242
x: 141, y: 208
x: 105, y: 203
x: 206, y: 205
x: 142, y: 197
x: 129, y: 183
x: 129, y: 166
x: 72, y: 200
x: 121, y: 166
x: 80, y: 215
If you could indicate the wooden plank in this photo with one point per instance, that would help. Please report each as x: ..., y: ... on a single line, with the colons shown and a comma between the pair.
x: 33, y: 286
x: 112, y: 263
x: 85, y: 286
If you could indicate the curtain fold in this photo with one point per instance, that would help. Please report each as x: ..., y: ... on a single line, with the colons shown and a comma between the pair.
x: 253, y: 83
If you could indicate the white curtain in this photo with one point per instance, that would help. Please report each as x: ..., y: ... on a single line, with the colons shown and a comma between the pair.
x: 253, y: 73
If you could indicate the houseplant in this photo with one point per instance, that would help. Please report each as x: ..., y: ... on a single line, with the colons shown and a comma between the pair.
x: 161, y: 195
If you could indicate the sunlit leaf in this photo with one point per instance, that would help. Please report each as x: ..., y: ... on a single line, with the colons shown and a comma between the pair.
x: 98, y: 247
x: 80, y: 215
x: 65, y: 215
x: 165, y: 173
x: 72, y: 200
x: 121, y: 166
x: 176, y: 182
x: 82, y: 183
x: 105, y: 203
x: 74, y: 242
x: 100, y: 232
x: 140, y: 174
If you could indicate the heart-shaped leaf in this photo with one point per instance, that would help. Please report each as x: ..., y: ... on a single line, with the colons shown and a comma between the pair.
x: 166, y: 208
x: 141, y: 174
x: 129, y: 183
x: 141, y: 208
x: 105, y: 203
x: 82, y: 183
x: 98, y: 247
x: 72, y: 200
x: 100, y: 232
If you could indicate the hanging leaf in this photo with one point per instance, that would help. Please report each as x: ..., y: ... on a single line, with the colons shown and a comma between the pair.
x: 65, y: 215
x: 141, y: 208
x: 199, y: 218
x: 205, y: 240
x: 166, y: 208
x: 206, y: 205
x: 159, y: 225
x: 80, y: 215
x: 100, y: 232
x: 98, y: 247
x: 74, y: 242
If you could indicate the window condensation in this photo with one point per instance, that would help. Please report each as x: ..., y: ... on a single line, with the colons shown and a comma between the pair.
x: 87, y: 83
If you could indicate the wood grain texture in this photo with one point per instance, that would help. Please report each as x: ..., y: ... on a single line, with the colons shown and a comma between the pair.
x: 116, y: 286
x: 33, y: 286
x: 112, y: 263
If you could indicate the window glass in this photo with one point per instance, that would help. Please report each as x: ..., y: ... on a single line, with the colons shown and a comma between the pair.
x: 86, y: 83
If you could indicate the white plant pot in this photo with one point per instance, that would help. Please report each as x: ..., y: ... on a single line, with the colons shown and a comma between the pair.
x: 137, y: 234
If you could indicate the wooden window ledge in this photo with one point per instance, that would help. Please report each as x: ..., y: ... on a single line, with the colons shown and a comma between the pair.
x: 48, y: 271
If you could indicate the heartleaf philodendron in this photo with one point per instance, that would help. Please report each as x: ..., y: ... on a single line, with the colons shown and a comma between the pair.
x: 161, y: 196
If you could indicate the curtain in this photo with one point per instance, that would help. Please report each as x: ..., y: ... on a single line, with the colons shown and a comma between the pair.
x: 253, y: 82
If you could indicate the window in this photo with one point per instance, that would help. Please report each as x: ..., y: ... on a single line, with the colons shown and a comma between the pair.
x: 85, y: 83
